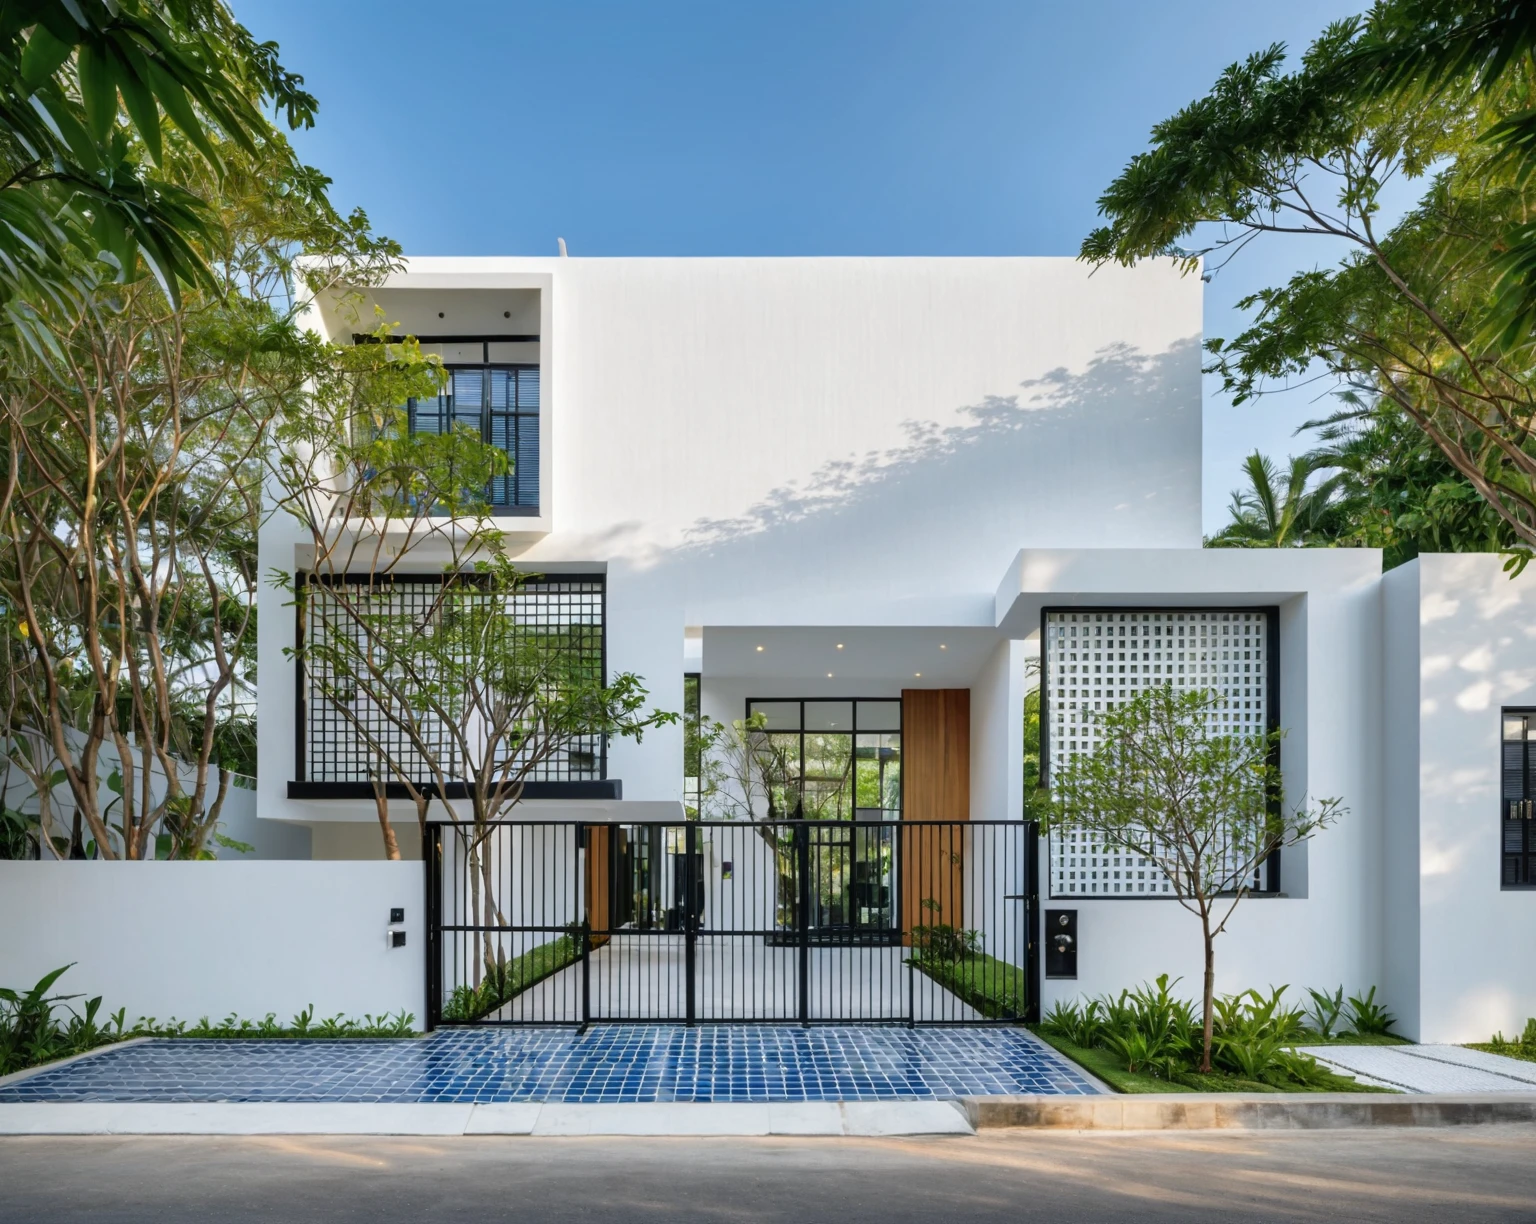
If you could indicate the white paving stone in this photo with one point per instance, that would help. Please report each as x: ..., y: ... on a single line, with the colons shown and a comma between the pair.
x: 1429, y: 1068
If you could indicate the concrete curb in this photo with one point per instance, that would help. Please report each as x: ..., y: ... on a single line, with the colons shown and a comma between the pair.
x: 660, y: 1118
x: 16, y: 1077
x: 1267, y: 1111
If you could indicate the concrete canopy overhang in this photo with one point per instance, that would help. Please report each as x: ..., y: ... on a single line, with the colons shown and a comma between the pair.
x: 1042, y: 578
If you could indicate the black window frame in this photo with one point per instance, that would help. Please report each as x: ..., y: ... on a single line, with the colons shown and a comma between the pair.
x: 1517, y: 813
x: 517, y: 415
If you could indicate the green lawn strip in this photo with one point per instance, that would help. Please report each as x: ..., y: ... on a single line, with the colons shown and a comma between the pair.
x: 520, y: 973
x: 1107, y: 1067
x: 994, y: 988
x: 1508, y: 1049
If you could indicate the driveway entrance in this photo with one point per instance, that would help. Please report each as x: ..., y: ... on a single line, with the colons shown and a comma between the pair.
x: 906, y: 922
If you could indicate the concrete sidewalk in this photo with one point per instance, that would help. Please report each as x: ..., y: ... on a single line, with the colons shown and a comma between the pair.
x: 1429, y: 1068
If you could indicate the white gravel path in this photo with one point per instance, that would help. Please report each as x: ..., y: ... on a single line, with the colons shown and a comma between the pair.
x: 1429, y: 1068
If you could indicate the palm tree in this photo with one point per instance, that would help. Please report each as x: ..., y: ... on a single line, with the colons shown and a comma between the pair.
x: 1269, y: 515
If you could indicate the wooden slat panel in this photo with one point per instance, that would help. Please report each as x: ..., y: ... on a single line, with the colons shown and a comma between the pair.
x: 936, y: 785
x: 599, y: 879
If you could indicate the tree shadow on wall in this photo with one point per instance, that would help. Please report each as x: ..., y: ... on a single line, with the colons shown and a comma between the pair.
x: 1108, y: 457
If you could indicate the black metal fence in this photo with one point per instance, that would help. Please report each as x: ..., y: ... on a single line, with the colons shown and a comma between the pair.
x: 798, y: 921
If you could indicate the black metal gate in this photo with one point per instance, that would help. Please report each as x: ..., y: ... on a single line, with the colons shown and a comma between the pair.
x: 695, y: 922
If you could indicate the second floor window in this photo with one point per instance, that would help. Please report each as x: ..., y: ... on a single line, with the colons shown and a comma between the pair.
x: 502, y: 403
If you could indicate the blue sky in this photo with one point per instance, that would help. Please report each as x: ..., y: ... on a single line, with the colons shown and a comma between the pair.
x: 731, y: 128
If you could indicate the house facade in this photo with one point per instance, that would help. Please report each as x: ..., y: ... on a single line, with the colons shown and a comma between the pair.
x: 870, y: 501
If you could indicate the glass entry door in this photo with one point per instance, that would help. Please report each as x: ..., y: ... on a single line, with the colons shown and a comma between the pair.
x: 836, y: 766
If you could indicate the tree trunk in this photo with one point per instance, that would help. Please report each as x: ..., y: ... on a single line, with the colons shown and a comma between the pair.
x: 381, y: 805
x: 1210, y: 995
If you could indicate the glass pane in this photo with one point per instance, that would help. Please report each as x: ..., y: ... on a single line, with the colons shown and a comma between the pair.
x: 1514, y: 728
x: 778, y: 764
x: 829, y: 716
x: 781, y: 715
x: 828, y: 779
x: 878, y: 777
x: 879, y: 716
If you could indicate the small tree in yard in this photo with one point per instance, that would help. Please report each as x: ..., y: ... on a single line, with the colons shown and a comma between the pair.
x: 1205, y: 808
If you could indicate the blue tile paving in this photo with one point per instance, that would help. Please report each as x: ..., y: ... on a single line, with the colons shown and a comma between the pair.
x: 608, y: 1064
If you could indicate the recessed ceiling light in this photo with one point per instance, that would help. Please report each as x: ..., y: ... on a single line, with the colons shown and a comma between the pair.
x: 942, y: 646
x: 829, y: 675
x: 839, y: 645
x: 919, y: 674
x: 759, y: 650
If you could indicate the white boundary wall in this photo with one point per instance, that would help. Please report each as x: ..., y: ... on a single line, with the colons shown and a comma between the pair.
x: 1460, y: 642
x: 207, y: 939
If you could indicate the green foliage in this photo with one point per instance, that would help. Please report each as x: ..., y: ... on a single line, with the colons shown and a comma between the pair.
x: 943, y: 943
x: 303, y: 1025
x: 1326, y: 1009
x: 1426, y: 321
x: 104, y: 102
x: 37, y: 1027
x: 1265, y: 515
x: 1367, y: 1017
x: 1035, y: 797
x: 1204, y: 808
x: 509, y: 978
x: 1150, y: 1032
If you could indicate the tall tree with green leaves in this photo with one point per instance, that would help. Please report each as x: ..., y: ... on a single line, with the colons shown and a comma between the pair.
x: 1268, y: 514
x: 134, y: 435
x: 89, y: 90
x: 1423, y: 313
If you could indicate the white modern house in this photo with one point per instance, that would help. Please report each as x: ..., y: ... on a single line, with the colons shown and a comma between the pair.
x: 857, y: 497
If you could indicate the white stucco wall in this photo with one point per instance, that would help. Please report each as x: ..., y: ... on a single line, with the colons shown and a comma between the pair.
x: 1326, y: 930
x: 207, y: 939
x: 775, y: 442
x: 1464, y: 645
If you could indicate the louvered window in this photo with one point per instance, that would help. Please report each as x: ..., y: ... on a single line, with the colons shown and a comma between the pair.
x: 502, y: 403
x: 1517, y: 827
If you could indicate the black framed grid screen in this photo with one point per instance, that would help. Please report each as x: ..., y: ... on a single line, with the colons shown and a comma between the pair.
x: 501, y: 402
x: 1517, y: 821
x: 1096, y: 657
x: 347, y: 736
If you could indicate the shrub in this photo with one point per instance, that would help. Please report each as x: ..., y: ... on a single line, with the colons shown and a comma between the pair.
x: 1367, y: 1017
x: 944, y: 943
x: 1326, y: 1009
x: 1152, y: 1032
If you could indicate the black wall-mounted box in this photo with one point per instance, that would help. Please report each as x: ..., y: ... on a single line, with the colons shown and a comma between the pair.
x: 1061, y: 943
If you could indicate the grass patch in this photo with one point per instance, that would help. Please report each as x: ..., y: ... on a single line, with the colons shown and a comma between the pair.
x: 994, y: 988
x: 1509, y: 1049
x: 511, y: 979
x: 1107, y: 1067
x: 1353, y: 1039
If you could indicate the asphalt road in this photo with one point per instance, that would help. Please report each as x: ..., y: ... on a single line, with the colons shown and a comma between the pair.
x: 1477, y: 1173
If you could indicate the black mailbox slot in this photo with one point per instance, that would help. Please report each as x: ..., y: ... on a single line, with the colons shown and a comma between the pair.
x: 1061, y: 943
x: 397, y: 914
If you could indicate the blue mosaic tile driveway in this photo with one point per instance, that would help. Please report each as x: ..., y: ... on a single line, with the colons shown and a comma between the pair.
x: 608, y: 1064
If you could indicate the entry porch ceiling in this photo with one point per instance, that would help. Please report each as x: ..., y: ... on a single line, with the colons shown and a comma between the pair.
x: 946, y: 657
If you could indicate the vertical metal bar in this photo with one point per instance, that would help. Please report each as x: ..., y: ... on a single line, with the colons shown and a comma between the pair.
x: 584, y: 915
x: 803, y: 915
x: 432, y: 864
x: 1032, y: 922
x: 691, y: 884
